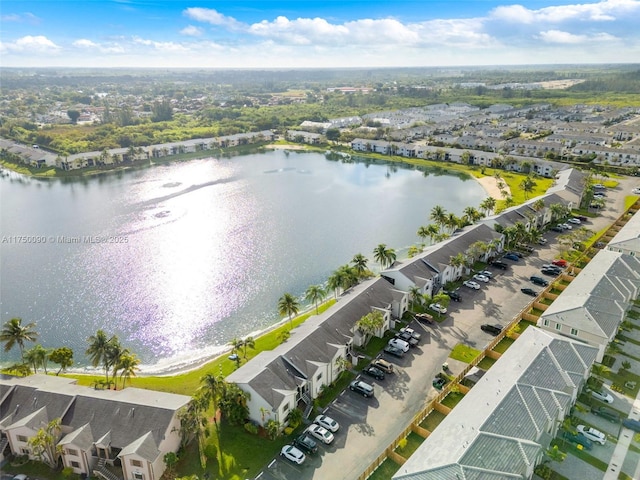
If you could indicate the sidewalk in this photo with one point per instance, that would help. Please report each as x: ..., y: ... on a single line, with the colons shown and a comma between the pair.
x: 622, y: 447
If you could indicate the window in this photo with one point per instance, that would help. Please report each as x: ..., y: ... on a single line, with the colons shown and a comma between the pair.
x: 73, y: 452
x: 75, y: 464
x: 558, y: 326
x: 136, y: 463
x: 546, y: 322
x: 574, y: 331
x: 138, y: 476
x: 285, y: 407
x: 319, y: 377
x: 25, y: 451
x: 23, y: 439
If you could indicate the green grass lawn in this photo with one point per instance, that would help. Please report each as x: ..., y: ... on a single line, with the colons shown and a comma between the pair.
x: 413, y: 442
x: 522, y: 325
x: 502, y: 346
x: 571, y: 449
x: 385, y: 471
x: 375, y: 345
x: 464, y: 353
x: 452, y: 399
x: 486, y: 363
x: 432, y: 420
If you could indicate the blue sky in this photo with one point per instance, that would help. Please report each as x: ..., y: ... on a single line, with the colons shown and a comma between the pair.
x: 316, y: 34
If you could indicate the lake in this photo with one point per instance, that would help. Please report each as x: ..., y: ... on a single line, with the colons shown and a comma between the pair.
x: 179, y: 258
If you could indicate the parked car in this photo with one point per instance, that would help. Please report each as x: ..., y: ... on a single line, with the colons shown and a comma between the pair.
x: 395, y: 351
x: 636, y: 191
x: 401, y: 344
x: 599, y: 186
x: 631, y: 424
x: 551, y: 266
x: 542, y: 241
x: 486, y: 273
x: 550, y: 271
x: 592, y: 434
x: 383, y: 365
x: 439, y: 381
x: 582, y: 218
x: 407, y: 337
x: 558, y: 229
x: 516, y: 253
x: 455, y: 296
x: 492, y: 329
x: 602, y: 396
x: 560, y: 262
x: 580, y: 439
x: 412, y: 332
x: 525, y: 248
x: 292, y: 454
x: 362, y: 388
x: 436, y: 307
x: 566, y: 226
x: 481, y: 278
x: 374, y: 372
x: 529, y: 291
x: 327, y: 422
x: 305, y: 443
x: 471, y: 284
x: 539, y: 281
x: 574, y: 220
x: 321, y: 433
x: 500, y: 265
x: 607, y: 413
x: 512, y: 256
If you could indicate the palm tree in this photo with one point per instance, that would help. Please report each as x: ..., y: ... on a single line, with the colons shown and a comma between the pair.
x: 288, y: 305
x: 538, y: 205
x: 438, y: 215
x: 315, y: 294
x: 527, y: 186
x: 384, y: 256
x: 211, y: 389
x: 472, y: 214
x: 423, y: 233
x: 128, y: 364
x: 37, y: 357
x: 415, y: 295
x: 458, y: 260
x: 14, y: 333
x: 359, y: 264
x: 452, y: 221
x: 488, y: 205
x: 248, y: 342
x: 334, y: 282
x: 98, y: 351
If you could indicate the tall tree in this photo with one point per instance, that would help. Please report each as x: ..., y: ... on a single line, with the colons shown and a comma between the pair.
x: 99, y: 351
x: 438, y: 215
x: 37, y: 357
x: 488, y: 205
x: 315, y: 294
x: 359, y: 262
x: 247, y: 342
x: 44, y: 444
x: 370, y: 323
x: 63, y: 356
x: 288, y: 305
x: 211, y: 389
x: 384, y: 256
x: 128, y: 364
x: 14, y: 333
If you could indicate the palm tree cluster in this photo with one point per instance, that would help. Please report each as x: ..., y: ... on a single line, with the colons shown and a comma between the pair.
x: 109, y: 353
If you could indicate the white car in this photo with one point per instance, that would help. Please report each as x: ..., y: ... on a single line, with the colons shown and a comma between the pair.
x: 486, y: 273
x: 471, y: 284
x: 292, y: 454
x: 592, y: 434
x: 327, y: 422
x: 636, y: 191
x: 321, y: 433
x: 566, y: 226
x: 599, y: 185
x: 602, y: 396
x: 436, y: 307
x: 542, y: 241
x: 398, y: 343
x: 481, y: 278
x: 575, y: 221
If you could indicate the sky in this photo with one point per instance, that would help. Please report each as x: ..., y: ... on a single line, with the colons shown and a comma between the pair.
x: 316, y: 34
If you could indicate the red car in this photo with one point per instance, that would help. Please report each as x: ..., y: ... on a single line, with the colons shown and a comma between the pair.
x: 560, y: 263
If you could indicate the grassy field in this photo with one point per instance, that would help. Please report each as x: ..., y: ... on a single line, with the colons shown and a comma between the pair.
x: 464, y: 353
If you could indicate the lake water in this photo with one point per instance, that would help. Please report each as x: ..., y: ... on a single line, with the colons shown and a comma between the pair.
x: 180, y: 258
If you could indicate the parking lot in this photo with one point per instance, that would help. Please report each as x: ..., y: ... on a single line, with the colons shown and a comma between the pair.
x: 368, y: 426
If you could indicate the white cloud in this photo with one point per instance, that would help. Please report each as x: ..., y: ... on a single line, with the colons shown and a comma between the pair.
x: 558, y: 36
x: 83, y: 42
x: 161, y: 46
x: 604, y: 11
x: 213, y: 17
x: 191, y: 31
x: 31, y: 44
x: 112, y: 47
x: 26, y: 17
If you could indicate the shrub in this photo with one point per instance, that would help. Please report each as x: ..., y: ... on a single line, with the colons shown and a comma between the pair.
x: 402, y: 444
x: 251, y: 428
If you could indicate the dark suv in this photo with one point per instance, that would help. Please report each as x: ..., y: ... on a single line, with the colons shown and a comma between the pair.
x: 305, y: 443
x: 539, y: 281
x: 455, y: 296
x: 607, y: 413
x: 492, y: 329
x: 500, y: 265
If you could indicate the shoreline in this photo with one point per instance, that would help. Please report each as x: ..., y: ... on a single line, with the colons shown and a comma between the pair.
x: 490, y: 185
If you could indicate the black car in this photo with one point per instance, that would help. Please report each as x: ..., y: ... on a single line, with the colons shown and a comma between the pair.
x: 396, y: 352
x: 632, y: 424
x: 407, y: 337
x: 539, y: 281
x: 516, y: 253
x: 582, y: 218
x: 551, y: 272
x: 500, y: 265
x: 604, y: 412
x: 439, y: 382
x: 492, y: 329
x: 557, y: 229
x: 374, y: 372
x: 455, y: 296
x: 529, y: 291
x: 305, y: 443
